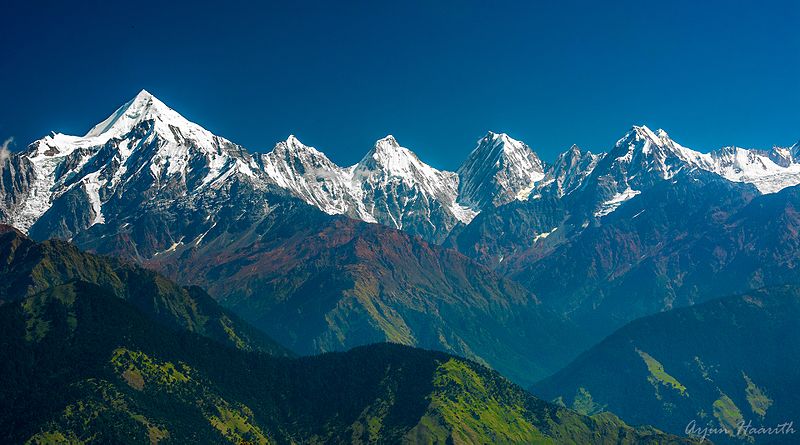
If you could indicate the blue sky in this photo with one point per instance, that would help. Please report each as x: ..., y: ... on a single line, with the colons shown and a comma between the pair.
x: 437, y: 75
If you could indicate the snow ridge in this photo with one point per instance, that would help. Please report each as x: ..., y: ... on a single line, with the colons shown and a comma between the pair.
x: 145, y: 151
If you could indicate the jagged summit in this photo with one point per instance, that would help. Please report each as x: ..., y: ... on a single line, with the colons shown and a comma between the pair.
x: 293, y: 145
x: 499, y: 170
x: 387, y: 141
x: 389, y: 185
x: 568, y: 173
x: 143, y: 107
x: 643, y: 149
x: 639, y: 133
x: 389, y: 156
x: 142, y: 152
x: 503, y: 140
x: 145, y: 149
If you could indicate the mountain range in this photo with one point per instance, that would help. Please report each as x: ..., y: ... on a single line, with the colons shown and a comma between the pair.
x: 145, y: 151
x: 107, y: 353
x: 512, y: 262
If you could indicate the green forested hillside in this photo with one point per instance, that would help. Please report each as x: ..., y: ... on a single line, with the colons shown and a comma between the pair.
x: 28, y: 267
x: 718, y: 363
x: 80, y: 365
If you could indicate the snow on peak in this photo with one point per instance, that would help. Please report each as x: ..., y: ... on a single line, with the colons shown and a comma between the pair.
x: 568, y: 172
x: 387, y: 142
x: 311, y: 176
x: 641, y: 150
x: 143, y: 107
x: 389, y: 169
x: 770, y: 171
x: 499, y: 170
x: 639, y: 133
x: 391, y: 156
x: 388, y: 155
x: 292, y: 140
x: 290, y: 160
x: 112, y: 154
x: 294, y: 147
x: 390, y: 185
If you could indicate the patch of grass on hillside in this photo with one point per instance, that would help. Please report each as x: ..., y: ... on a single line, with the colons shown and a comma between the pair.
x: 227, y: 326
x: 54, y: 438
x: 463, y: 410
x: 659, y: 375
x: 759, y: 402
x: 235, y: 424
x: 585, y: 404
x: 727, y: 412
x: 140, y: 366
x: 387, y: 319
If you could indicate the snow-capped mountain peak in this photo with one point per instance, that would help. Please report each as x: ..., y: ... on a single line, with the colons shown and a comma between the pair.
x: 308, y: 174
x: 637, y: 161
x: 389, y: 161
x: 499, y: 170
x: 294, y: 147
x: 400, y: 190
x: 144, y: 146
x: 387, y: 142
x: 568, y: 173
x: 147, y: 154
x: 143, y: 107
x: 645, y: 151
x: 389, y: 185
x: 388, y: 155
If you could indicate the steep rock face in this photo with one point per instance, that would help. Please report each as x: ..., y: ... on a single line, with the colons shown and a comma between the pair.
x: 716, y: 363
x: 498, y: 171
x: 16, y: 178
x: 498, y: 235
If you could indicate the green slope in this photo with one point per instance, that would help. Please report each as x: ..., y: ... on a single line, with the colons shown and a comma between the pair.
x: 28, y: 267
x: 80, y: 365
x: 717, y: 363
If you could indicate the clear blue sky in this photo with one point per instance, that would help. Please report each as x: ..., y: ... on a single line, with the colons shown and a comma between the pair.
x: 435, y: 74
